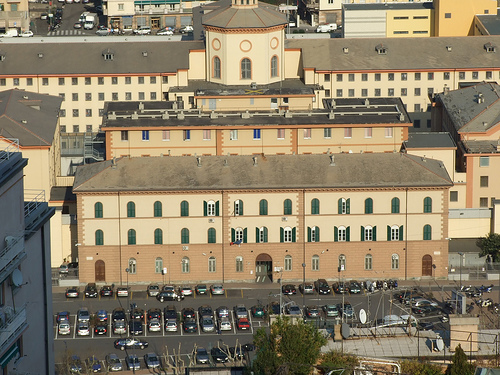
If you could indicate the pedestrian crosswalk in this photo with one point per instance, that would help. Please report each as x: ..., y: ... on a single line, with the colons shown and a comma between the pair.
x: 68, y: 32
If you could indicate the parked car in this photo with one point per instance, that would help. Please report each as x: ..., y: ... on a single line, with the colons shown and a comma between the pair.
x: 77, y: 25
x: 225, y: 324
x: 154, y: 325
x: 207, y: 324
x: 424, y: 310
x: 106, y: 291
x: 306, y: 288
x: 119, y: 327
x: 151, y: 360
x: 91, y: 290
x: 62, y: 316
x: 222, y: 311
x: 186, y: 290
x: 83, y: 315
x: 205, y: 310
x: 188, y: 313
x: 27, y: 34
x: 75, y: 365
x: 170, y: 313
x: 83, y: 329
x: 129, y: 343
x: 101, y: 316
x: 190, y: 325
x: 240, y: 311
x: 201, y: 289
x: 322, y: 287
x: 64, y: 269
x: 217, y: 289
x: 154, y: 313
x: 137, y: 313
x: 118, y: 314
x: 165, y: 31
x: 153, y: 290
x: 423, y: 302
x: 219, y: 356
x: 202, y: 356
x: 122, y: 291
x: 236, y: 352
x: 312, y: 311
x: 331, y: 311
x: 64, y: 328
x: 133, y: 362
x: 72, y: 292
x: 243, y: 324
x: 292, y: 309
x: 101, y: 328
x: 354, y: 287
x: 186, y: 29
x: 258, y: 311
x: 135, y: 327
x: 289, y: 289
x: 169, y: 295
x: 93, y: 364
x: 171, y: 326
x: 340, y: 288
x: 142, y: 30
x: 274, y: 308
x: 347, y: 310
x: 113, y: 363
x: 103, y: 30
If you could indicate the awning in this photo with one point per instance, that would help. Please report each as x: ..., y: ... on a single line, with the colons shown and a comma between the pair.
x: 7, y: 357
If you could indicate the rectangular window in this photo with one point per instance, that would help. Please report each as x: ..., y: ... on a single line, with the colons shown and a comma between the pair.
x: 484, y: 161
x: 63, y: 128
x: 364, y: 92
x: 446, y: 76
x: 388, y: 132
x: 417, y: 91
x: 74, y: 96
x: 327, y: 93
x: 483, y: 202
x: 347, y: 132
x: 61, y: 81
x: 62, y: 113
x: 483, y: 181
x: 76, y: 129
x: 100, y: 80
x: 142, y: 95
x: 339, y: 77
x: 404, y: 76
x: 152, y: 95
x: 475, y: 75
x: 207, y: 135
x: 390, y: 76
x: 256, y: 134
x: 76, y: 113
x: 128, y: 80
x: 114, y: 96
x: 430, y: 90
x: 364, y: 77
x: 128, y: 96
x: 74, y: 81
x: 378, y: 77
x: 307, y: 133
x: 3, y: 82
x: 140, y: 80
x: 447, y: 15
x: 88, y: 112
x: 351, y: 93
x: 165, y: 135
x: 416, y: 124
x: 88, y: 128
x: 62, y: 96
x: 145, y: 135
x: 45, y: 81
x: 404, y: 91
x: 88, y: 97
x: 378, y: 92
x: 164, y: 79
x: 461, y: 75
x: 281, y: 133
x: 152, y: 80
x: 430, y: 76
x: 339, y: 93
x: 416, y: 108
x: 88, y: 80
x: 489, y: 75
x: 327, y: 77
x: 327, y: 132
x: 418, y: 76
x: 233, y: 135
x: 390, y: 92
x: 29, y: 81
x: 186, y: 135
x: 114, y: 80
x: 453, y: 196
x: 16, y: 81
x: 368, y: 132
x: 351, y: 77
x: 100, y: 96
x: 101, y: 112
x: 124, y: 135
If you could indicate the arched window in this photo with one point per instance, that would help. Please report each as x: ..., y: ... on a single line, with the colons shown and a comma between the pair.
x: 158, y: 236
x: 216, y: 71
x: 427, y: 204
x: 98, y: 210
x: 238, y: 207
x: 132, y: 266
x: 158, y: 265
x: 394, y: 233
x: 344, y: 206
x: 130, y: 209
x: 315, y: 206
x: 395, y: 261
x: 131, y: 236
x: 184, y: 208
x: 368, y: 206
x: 184, y: 235
x: 342, y: 262
x: 427, y: 232
x: 239, y: 264
x: 367, y: 233
x: 157, y: 209
x: 342, y: 234
x: 395, y: 205
x: 263, y: 207
x: 211, y: 235
x: 288, y: 262
x: 315, y: 263
x: 246, y: 69
x: 185, y: 265
x: 99, y: 237
x: 287, y: 207
x: 261, y: 235
x: 313, y: 234
x: 368, y: 262
x: 210, y: 208
x: 238, y: 234
x: 274, y: 66
x: 287, y: 234
x: 212, y: 264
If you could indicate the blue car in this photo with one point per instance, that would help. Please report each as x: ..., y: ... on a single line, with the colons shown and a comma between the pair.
x: 102, y: 316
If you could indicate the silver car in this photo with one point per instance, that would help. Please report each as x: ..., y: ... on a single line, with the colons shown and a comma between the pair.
x: 64, y: 328
x: 240, y: 311
x: 225, y: 324
x: 217, y: 289
x: 113, y: 363
x: 154, y: 325
x: 202, y: 356
x: 83, y: 329
x: 83, y: 315
x: 171, y: 326
x: 186, y: 290
x: 133, y: 362
x: 119, y: 327
x: 151, y: 360
x: 207, y: 324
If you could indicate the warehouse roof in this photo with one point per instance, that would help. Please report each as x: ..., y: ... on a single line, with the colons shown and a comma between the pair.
x: 343, y: 171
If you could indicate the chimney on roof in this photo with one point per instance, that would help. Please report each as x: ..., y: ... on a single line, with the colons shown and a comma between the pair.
x: 485, y: 124
x: 113, y: 163
x: 225, y: 163
x: 480, y: 98
x: 141, y: 106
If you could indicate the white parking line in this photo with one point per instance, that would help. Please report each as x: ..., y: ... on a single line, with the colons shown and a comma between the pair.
x: 234, y: 323
x: 251, y: 323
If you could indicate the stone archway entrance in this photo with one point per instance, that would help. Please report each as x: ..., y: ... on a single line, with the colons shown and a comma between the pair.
x: 427, y: 265
x: 100, y: 271
x: 264, y: 268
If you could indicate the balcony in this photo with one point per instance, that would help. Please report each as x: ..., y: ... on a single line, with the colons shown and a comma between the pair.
x: 11, y: 255
x: 12, y: 324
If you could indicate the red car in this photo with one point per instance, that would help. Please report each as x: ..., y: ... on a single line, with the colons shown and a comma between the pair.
x: 243, y: 324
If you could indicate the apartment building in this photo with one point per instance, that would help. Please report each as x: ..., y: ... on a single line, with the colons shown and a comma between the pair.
x: 233, y: 218
x: 14, y: 14
x: 26, y: 320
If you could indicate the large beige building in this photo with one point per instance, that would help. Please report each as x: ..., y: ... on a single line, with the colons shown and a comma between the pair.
x: 235, y: 218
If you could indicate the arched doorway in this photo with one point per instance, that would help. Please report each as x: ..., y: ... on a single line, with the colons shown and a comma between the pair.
x: 264, y: 268
x: 427, y: 265
x: 100, y: 271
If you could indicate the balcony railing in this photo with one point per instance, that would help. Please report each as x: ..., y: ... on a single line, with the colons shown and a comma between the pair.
x: 12, y: 324
x: 6, y: 153
x: 15, y: 246
x: 32, y: 199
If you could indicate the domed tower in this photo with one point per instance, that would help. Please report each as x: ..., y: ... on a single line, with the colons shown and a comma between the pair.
x: 245, y: 44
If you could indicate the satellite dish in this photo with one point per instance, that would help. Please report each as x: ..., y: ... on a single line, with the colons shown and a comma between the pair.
x: 346, y: 330
x: 362, y: 316
x: 440, y: 344
x: 17, y: 278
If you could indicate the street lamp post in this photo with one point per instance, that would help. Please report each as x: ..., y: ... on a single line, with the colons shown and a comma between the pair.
x: 303, y: 287
x: 461, y: 261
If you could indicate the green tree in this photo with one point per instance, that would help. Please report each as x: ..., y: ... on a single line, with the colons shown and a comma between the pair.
x: 336, y: 360
x: 459, y: 364
x: 490, y: 245
x: 287, y: 348
x: 420, y: 368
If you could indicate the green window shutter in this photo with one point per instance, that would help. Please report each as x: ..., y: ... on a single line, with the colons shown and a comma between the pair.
x: 388, y: 233
x: 340, y: 206
x: 204, y: 208
x: 245, y: 235
x: 317, y: 234
x: 287, y: 207
x: 99, y: 237
x: 257, y: 232
x: 368, y: 206
x: 348, y: 206
x: 294, y: 235
x: 401, y: 233
x: 233, y: 235
x: 98, y: 210
x: 315, y: 206
x: 282, y: 235
x: 348, y: 234
x: 158, y: 236
x: 374, y: 233
x: 308, y: 234
x: 217, y: 208
x: 265, y: 234
x: 362, y: 233
x: 336, y: 234
x: 241, y: 208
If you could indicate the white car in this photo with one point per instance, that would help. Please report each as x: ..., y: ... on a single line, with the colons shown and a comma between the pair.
x: 225, y: 324
x: 154, y: 325
x: 64, y: 328
x: 83, y: 329
x: 171, y: 326
x: 165, y: 31
x: 143, y: 30
x: 187, y: 29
